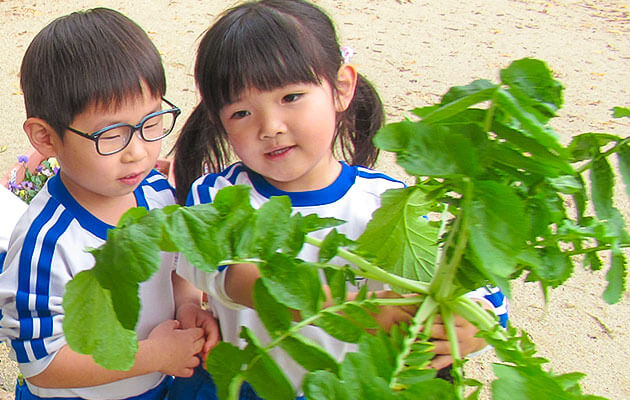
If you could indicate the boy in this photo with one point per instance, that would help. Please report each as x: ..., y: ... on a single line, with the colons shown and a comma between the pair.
x: 93, y: 84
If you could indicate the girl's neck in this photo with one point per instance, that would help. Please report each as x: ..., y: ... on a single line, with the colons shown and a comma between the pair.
x: 320, y: 177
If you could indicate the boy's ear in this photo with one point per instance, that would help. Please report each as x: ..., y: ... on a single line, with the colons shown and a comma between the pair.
x: 42, y: 136
x: 346, y: 84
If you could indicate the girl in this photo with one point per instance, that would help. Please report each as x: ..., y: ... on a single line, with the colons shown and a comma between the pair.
x: 276, y: 91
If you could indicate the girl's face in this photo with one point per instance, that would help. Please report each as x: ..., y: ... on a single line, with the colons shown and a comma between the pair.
x: 286, y: 134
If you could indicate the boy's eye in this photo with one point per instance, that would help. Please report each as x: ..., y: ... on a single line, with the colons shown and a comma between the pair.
x: 240, y: 114
x: 290, y: 98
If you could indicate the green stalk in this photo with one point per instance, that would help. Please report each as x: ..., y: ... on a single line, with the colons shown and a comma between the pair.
x: 449, y: 324
x: 442, y: 283
x: 476, y: 315
x: 371, y: 271
x: 603, y: 155
x: 487, y: 123
x: 425, y: 312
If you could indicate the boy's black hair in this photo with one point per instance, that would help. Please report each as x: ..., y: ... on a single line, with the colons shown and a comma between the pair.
x: 97, y: 56
x: 265, y: 45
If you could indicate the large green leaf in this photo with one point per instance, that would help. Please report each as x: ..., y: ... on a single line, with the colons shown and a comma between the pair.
x: 126, y: 261
x: 529, y: 123
x: 532, y: 148
x: 429, y: 150
x: 616, y: 277
x: 532, y: 78
x: 620, y: 112
x: 275, y: 316
x: 587, y: 145
x: 399, y: 237
x: 339, y: 327
x: 225, y: 362
x: 498, y: 230
x: 602, y: 184
x: 91, y: 326
x: 459, y: 100
x: 309, y: 354
x: 434, y: 389
x: 264, y: 374
x: 523, y: 383
x: 361, y: 378
x: 293, y: 284
x: 623, y: 156
x: 323, y: 385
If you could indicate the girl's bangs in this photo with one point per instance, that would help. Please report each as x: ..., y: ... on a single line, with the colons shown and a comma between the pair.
x: 265, y: 55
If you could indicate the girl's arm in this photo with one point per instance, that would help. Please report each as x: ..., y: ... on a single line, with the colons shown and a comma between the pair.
x: 189, y: 312
x: 239, y: 284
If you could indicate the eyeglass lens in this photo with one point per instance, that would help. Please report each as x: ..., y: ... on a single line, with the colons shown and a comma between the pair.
x: 153, y: 128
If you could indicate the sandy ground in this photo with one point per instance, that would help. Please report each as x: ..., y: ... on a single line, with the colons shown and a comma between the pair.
x: 413, y: 51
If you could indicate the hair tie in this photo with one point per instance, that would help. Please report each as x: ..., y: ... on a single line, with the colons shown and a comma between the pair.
x: 346, y: 53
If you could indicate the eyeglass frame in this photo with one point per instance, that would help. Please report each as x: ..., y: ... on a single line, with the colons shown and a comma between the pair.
x: 135, y: 128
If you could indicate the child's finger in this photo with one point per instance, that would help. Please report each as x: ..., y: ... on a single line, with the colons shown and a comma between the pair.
x: 441, y: 347
x: 440, y: 362
x: 438, y: 332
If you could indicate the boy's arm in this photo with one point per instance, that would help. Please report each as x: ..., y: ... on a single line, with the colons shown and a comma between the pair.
x: 168, y: 349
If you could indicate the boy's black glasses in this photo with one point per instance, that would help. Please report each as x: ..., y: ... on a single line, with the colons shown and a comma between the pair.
x: 115, y: 138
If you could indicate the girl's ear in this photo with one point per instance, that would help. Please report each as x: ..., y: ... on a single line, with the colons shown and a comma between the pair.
x: 42, y: 136
x: 346, y: 85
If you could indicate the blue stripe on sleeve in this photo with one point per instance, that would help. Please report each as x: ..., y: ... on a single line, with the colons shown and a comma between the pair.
x: 42, y: 285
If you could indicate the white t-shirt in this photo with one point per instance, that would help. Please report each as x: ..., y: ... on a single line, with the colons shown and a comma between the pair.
x: 47, y: 250
x: 11, y: 209
x: 352, y: 197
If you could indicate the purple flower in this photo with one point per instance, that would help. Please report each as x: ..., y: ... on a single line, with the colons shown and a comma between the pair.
x: 14, y: 186
x: 27, y: 185
x: 39, y: 168
x: 23, y: 159
x: 55, y: 170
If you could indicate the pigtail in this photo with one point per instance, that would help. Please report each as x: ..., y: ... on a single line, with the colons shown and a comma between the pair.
x: 199, y: 149
x: 363, y: 118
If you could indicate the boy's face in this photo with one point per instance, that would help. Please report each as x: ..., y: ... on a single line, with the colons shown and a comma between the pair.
x: 97, y: 181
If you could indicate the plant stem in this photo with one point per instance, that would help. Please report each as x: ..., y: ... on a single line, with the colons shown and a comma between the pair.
x: 442, y: 285
x: 487, y: 123
x: 426, y: 310
x: 451, y: 332
x: 476, y: 315
x: 604, y: 155
x: 371, y: 271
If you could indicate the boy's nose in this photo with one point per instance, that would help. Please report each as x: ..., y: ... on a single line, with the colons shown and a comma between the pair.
x: 136, y: 149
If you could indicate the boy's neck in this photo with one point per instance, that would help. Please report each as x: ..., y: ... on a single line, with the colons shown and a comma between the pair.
x: 107, y: 209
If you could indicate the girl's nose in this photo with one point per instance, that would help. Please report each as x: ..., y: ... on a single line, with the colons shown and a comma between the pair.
x: 271, y: 125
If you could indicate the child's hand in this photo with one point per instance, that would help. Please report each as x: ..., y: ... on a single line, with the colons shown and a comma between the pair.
x: 389, y: 316
x: 193, y: 316
x: 177, y: 348
x: 468, y: 343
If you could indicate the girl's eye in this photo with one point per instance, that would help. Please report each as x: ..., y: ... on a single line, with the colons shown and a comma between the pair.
x: 290, y: 98
x: 240, y: 114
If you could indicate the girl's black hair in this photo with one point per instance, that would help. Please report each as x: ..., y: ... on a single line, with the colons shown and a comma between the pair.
x: 265, y: 45
x: 98, y: 56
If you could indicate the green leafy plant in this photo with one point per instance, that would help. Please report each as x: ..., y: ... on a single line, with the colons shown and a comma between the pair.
x: 512, y: 199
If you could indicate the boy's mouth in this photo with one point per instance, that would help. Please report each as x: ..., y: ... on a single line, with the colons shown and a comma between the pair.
x: 131, y: 179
